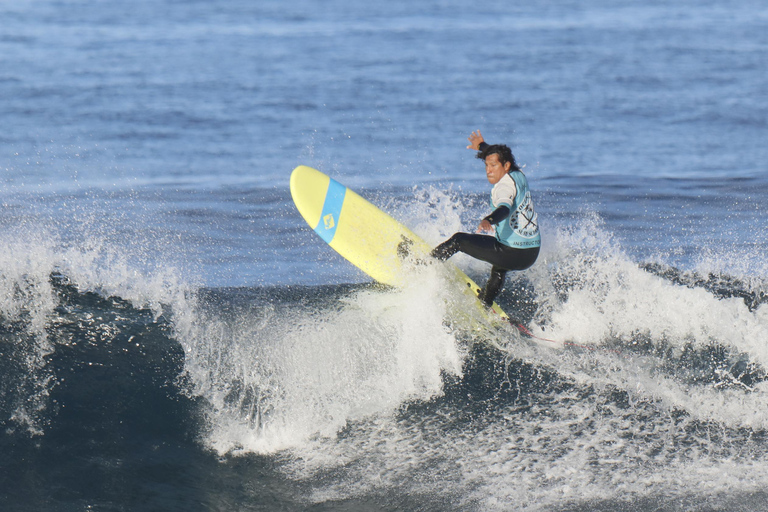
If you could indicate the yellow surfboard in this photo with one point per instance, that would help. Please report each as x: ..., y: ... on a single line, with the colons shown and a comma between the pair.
x: 364, y: 235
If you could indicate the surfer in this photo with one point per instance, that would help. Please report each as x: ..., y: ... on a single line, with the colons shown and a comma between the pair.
x: 517, y: 240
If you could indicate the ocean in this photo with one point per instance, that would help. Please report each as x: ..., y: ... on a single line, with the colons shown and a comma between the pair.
x: 174, y: 337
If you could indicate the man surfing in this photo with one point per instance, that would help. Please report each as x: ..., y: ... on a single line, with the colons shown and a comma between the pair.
x: 516, y: 242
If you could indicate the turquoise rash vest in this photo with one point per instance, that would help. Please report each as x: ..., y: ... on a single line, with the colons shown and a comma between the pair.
x: 521, y: 229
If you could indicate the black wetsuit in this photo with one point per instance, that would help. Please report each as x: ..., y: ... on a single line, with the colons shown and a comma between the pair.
x: 487, y: 248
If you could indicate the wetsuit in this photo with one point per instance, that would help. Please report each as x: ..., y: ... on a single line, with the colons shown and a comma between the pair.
x: 517, y: 241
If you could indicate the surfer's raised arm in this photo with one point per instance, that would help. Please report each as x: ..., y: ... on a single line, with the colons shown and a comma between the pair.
x: 475, y: 140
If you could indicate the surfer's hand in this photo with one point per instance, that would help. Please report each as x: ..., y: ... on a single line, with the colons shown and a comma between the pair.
x: 485, y: 227
x: 476, y: 139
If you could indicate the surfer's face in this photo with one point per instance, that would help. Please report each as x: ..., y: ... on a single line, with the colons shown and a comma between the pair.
x: 494, y: 170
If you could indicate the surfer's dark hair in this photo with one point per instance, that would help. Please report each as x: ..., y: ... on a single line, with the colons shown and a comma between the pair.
x: 505, y: 155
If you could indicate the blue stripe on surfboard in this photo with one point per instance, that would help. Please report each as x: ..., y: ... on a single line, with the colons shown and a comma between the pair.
x: 329, y: 219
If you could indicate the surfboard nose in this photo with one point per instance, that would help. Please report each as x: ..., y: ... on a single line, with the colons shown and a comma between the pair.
x: 307, y: 190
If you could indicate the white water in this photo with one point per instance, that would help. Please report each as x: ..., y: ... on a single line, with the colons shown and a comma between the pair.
x: 281, y: 374
x: 671, y: 437
x: 328, y: 381
x: 27, y: 298
x: 278, y: 378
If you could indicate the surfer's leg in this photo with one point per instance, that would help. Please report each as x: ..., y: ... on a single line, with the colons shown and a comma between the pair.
x: 486, y: 248
x: 446, y: 249
x: 493, y: 286
x: 477, y: 246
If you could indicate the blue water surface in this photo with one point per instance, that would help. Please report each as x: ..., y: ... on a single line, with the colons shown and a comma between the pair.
x: 172, y: 329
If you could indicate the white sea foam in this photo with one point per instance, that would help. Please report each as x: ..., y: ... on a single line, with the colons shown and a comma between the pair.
x: 591, y: 293
x: 27, y: 298
x: 666, y: 437
x: 276, y: 381
x: 327, y: 381
x: 311, y: 373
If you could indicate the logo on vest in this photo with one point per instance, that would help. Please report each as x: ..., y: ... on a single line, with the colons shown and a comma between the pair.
x: 526, y: 225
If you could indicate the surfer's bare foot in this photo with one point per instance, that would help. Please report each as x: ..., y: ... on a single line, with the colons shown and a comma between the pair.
x: 404, y: 248
x: 404, y: 252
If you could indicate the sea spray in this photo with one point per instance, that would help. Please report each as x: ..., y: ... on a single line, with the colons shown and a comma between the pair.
x: 655, y: 338
x: 631, y: 420
x: 27, y: 301
x: 277, y: 378
x: 34, y: 267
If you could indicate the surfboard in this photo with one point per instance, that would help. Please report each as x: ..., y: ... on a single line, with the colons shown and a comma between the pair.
x: 366, y: 236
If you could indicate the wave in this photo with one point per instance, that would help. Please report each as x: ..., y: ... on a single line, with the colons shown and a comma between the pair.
x: 638, y: 367
x: 55, y: 299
